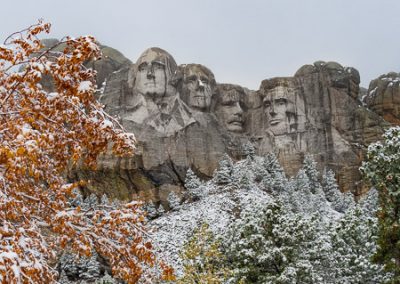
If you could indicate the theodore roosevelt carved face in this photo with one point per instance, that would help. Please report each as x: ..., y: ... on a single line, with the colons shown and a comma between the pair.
x: 229, y: 107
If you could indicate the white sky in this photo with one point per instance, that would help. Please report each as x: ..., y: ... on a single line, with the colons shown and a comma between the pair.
x: 242, y: 42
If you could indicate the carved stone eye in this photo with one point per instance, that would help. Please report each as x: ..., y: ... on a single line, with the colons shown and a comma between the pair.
x: 158, y: 66
x: 142, y: 67
x: 204, y: 80
x: 281, y: 102
x: 267, y: 104
x: 191, y: 79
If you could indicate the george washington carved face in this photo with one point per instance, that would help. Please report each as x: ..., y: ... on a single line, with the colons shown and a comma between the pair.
x: 153, y: 71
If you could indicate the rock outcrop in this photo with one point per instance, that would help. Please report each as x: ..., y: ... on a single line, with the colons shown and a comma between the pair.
x: 183, y: 118
x: 318, y: 112
x: 383, y: 97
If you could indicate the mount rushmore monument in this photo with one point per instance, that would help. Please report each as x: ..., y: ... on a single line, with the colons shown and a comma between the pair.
x: 183, y: 118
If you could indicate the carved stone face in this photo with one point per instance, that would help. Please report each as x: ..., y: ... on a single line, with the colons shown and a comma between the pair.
x: 279, y: 110
x: 153, y: 70
x: 229, y: 110
x: 197, y: 88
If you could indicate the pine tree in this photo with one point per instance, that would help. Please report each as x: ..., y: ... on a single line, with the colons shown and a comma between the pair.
x: 173, y: 200
x: 160, y: 210
x: 203, y: 259
x: 330, y: 186
x: 268, y: 245
x: 90, y: 268
x: 249, y: 151
x: 106, y: 279
x: 382, y: 170
x: 224, y: 173
x: 369, y: 203
x: 193, y: 185
x: 274, y: 179
x: 310, y: 169
x: 353, y: 242
x: 151, y: 210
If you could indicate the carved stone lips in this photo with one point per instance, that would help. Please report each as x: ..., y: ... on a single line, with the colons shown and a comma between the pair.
x: 275, y: 121
x: 236, y: 122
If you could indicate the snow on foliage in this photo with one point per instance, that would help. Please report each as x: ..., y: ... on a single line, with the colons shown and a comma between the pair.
x: 382, y: 170
x: 44, y: 134
x: 273, y: 229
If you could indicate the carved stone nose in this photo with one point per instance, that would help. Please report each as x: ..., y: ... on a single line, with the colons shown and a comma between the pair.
x: 150, y: 74
x: 238, y: 110
x: 271, y: 110
x: 200, y: 85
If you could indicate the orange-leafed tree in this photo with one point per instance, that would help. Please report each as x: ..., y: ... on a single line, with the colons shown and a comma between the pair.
x: 44, y: 133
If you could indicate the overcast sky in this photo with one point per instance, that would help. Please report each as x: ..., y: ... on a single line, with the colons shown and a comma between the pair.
x: 242, y: 42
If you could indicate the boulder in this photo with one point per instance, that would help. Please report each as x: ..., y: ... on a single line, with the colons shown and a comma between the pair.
x: 383, y: 97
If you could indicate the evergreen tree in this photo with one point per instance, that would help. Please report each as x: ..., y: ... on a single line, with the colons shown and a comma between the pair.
x: 193, y: 185
x: 369, y: 203
x: 90, y: 268
x: 353, y: 242
x: 203, y: 260
x: 151, y: 210
x: 249, y: 151
x: 330, y: 186
x: 173, y: 200
x: 310, y: 169
x: 161, y: 209
x: 382, y: 170
x: 224, y: 173
x: 270, y: 245
x: 274, y: 179
x: 106, y: 279
x: 91, y: 202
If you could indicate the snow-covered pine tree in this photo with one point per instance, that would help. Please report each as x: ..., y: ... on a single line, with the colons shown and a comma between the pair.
x: 274, y: 179
x: 90, y: 268
x: 310, y: 169
x: 249, y: 151
x: 91, y: 202
x: 382, y: 170
x: 369, y: 203
x: 173, y: 200
x: 161, y: 209
x: 330, y: 186
x: 269, y: 245
x: 224, y: 173
x: 193, y: 184
x: 106, y: 279
x: 300, y: 198
x: 353, y: 243
x: 151, y: 210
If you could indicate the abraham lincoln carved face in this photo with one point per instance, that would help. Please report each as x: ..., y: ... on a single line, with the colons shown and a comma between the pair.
x: 279, y: 107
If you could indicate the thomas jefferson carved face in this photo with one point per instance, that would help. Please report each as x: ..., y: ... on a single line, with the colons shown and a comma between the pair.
x: 230, y: 107
x: 198, y: 84
x: 153, y: 71
x: 279, y: 110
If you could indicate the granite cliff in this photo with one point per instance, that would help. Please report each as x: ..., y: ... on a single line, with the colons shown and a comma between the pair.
x: 183, y: 118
